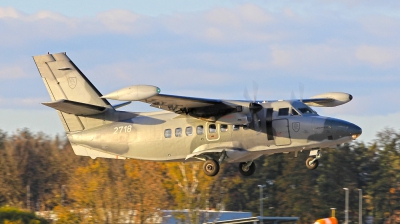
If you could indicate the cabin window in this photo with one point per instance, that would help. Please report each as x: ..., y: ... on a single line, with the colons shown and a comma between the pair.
x: 212, y: 128
x: 189, y: 131
x: 167, y: 133
x: 200, y: 130
x: 224, y: 127
x: 283, y: 112
x: 178, y: 132
x: 235, y: 127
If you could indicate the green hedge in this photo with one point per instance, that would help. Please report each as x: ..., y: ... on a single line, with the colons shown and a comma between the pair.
x: 15, y: 215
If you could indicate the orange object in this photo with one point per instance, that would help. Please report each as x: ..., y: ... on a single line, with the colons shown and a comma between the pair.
x: 331, y: 220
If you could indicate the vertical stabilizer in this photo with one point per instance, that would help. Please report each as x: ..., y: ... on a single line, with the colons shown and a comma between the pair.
x: 64, y: 80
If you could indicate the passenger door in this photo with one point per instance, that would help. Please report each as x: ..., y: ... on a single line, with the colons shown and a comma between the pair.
x: 281, y: 132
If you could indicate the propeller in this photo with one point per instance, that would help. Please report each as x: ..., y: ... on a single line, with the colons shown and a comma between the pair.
x: 301, y: 91
x: 254, y: 107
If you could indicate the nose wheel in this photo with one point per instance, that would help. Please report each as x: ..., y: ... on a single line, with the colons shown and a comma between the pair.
x: 247, y: 169
x: 312, y: 161
x: 211, y: 167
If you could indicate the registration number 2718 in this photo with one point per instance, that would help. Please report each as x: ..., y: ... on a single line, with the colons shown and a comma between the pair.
x: 122, y: 129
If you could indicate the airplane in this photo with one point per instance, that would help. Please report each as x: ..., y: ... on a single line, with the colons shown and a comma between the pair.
x: 188, y: 128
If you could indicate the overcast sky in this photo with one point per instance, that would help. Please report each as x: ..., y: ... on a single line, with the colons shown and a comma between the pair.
x: 207, y: 49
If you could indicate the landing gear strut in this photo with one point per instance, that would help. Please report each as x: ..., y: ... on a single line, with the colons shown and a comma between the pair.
x: 211, y: 167
x: 312, y: 161
x: 247, y: 169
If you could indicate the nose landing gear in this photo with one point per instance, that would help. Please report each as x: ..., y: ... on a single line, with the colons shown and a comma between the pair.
x: 247, y: 169
x: 312, y: 161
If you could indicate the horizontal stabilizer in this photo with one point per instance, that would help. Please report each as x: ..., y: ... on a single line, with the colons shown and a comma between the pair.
x: 77, y: 108
x: 121, y: 105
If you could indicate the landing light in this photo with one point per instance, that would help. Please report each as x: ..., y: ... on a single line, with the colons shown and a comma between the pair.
x: 355, y: 136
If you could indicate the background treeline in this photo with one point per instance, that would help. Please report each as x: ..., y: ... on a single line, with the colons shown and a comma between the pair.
x: 42, y: 173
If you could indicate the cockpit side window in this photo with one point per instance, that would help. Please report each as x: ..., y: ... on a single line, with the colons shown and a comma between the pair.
x: 283, y: 111
x: 306, y: 110
x: 302, y: 108
x: 294, y: 112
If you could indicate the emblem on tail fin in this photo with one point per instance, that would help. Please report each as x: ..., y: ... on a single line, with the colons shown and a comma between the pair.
x: 72, y: 82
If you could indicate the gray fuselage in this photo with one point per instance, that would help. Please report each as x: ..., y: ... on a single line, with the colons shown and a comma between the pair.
x: 166, y: 136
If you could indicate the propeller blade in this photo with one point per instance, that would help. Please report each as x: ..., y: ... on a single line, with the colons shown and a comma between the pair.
x: 292, y: 96
x: 301, y: 90
x: 256, y: 123
x: 255, y: 91
x: 253, y: 107
x: 246, y: 94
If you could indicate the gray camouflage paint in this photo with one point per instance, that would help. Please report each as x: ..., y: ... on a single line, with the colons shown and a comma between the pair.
x: 119, y: 134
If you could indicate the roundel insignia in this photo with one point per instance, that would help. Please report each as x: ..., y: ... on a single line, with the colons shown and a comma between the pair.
x: 72, y: 82
x: 296, y: 126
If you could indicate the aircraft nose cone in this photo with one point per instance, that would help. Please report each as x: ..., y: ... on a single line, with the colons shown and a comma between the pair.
x: 354, y: 131
x: 344, y: 128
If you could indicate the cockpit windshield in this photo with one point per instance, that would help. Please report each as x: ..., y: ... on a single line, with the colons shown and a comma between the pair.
x: 303, y: 108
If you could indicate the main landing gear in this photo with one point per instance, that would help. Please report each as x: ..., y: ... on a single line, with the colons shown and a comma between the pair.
x: 247, y: 169
x: 312, y: 161
x: 211, y: 166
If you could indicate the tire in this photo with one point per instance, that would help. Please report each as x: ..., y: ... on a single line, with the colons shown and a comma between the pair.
x: 249, y: 171
x: 211, y: 167
x: 312, y: 166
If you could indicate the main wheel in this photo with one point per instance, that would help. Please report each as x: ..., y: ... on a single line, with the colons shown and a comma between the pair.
x: 211, y: 167
x: 247, y: 171
x: 311, y: 165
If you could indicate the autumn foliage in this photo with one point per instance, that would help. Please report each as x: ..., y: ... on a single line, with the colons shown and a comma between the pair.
x: 41, y: 173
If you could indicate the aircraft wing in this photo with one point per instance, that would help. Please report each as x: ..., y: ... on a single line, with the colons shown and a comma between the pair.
x: 198, y: 107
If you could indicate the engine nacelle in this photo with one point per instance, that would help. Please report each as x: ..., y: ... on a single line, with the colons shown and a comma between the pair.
x: 242, y: 115
x: 133, y: 93
x: 330, y: 99
x: 235, y: 119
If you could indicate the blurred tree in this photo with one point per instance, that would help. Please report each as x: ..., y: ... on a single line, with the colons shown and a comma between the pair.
x: 145, y: 190
x: 384, y: 187
x: 190, y: 189
x: 109, y: 190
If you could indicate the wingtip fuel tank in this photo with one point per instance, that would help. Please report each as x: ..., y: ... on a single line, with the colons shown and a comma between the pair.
x: 330, y: 99
x: 133, y: 93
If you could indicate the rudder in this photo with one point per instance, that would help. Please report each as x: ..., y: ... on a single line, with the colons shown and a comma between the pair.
x: 64, y: 80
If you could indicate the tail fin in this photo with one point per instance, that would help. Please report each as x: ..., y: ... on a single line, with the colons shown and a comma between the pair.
x: 64, y: 81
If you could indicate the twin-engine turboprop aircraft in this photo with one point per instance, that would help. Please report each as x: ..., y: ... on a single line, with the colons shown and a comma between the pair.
x: 190, y: 129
